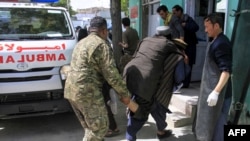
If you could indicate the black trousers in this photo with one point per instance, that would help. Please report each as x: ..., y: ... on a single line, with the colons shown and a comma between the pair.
x: 187, y: 80
x: 105, y: 91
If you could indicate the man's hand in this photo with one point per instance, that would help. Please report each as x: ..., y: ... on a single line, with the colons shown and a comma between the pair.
x: 133, y: 106
x: 124, y: 45
x: 183, y: 24
x: 120, y: 43
x: 182, y: 38
x: 125, y: 100
x: 212, y: 98
x: 186, y: 59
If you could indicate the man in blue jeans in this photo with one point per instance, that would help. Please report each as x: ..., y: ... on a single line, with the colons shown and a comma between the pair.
x: 158, y: 112
x: 144, y: 76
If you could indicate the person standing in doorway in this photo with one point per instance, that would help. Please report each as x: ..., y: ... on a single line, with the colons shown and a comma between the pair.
x: 130, y: 39
x: 215, y: 94
x: 190, y: 28
x: 172, y: 21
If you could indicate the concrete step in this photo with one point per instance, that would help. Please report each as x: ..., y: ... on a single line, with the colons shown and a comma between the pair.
x: 183, y: 106
x: 179, y: 119
x: 184, y: 103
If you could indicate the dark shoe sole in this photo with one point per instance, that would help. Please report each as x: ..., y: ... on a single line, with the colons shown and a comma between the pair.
x: 167, y: 133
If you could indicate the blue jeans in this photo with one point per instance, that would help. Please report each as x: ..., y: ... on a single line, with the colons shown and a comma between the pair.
x: 158, y: 112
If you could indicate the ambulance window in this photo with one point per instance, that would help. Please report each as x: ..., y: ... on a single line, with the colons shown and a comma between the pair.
x: 4, y: 21
x: 21, y: 22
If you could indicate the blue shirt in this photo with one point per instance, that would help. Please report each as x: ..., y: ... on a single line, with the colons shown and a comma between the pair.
x: 221, y: 52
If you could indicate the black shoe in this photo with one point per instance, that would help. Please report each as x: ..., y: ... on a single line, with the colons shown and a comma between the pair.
x: 167, y: 133
x: 185, y: 85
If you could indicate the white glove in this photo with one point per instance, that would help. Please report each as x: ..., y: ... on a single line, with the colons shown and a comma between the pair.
x: 212, y: 98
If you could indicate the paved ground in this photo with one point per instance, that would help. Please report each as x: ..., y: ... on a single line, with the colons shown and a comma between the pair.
x: 148, y: 132
x: 66, y: 127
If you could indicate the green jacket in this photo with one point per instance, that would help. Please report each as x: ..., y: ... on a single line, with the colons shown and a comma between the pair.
x: 92, y: 63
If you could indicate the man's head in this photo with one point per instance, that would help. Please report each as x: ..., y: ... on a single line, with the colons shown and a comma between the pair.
x: 163, y: 31
x: 125, y: 21
x: 213, y: 25
x: 177, y: 11
x: 99, y: 25
x: 162, y: 11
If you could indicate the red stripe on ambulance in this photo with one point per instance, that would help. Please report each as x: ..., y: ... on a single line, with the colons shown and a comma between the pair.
x: 33, y: 58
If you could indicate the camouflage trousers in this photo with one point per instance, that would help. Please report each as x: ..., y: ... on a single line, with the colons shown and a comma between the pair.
x: 93, y: 119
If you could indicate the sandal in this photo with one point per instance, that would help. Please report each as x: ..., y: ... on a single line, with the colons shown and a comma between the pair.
x: 112, y: 133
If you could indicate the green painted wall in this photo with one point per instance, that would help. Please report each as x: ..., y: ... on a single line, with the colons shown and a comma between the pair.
x: 232, y: 4
x: 171, y: 3
x: 241, y: 52
x: 135, y: 22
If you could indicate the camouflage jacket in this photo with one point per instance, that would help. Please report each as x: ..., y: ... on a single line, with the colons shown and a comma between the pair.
x: 92, y: 63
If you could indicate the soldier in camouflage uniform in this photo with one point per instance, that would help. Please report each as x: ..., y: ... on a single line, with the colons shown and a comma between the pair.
x: 92, y: 63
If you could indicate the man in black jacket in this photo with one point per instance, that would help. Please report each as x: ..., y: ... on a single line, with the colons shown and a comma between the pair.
x: 146, y: 75
x: 190, y: 28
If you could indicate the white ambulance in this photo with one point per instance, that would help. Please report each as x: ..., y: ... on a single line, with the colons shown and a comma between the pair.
x: 36, y: 41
